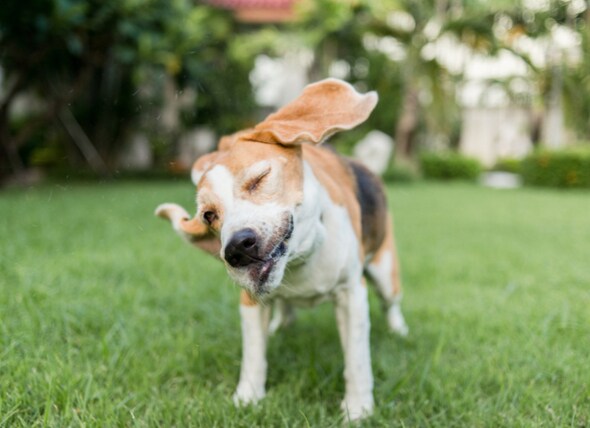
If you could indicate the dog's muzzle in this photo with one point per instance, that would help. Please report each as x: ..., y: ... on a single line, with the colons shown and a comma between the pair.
x: 242, y: 249
x: 256, y: 257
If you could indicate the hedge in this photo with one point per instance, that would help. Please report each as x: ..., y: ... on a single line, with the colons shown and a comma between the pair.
x: 568, y: 168
x: 508, y: 165
x: 449, y: 166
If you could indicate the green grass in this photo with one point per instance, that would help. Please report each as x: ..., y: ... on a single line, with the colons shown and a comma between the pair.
x: 108, y: 319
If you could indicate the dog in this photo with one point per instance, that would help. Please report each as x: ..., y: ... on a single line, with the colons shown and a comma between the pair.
x: 296, y: 224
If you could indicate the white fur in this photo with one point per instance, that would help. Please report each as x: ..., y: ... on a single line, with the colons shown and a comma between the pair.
x: 381, y: 273
x: 196, y: 175
x: 333, y: 269
x: 264, y: 219
x: 324, y: 239
x: 222, y: 182
x: 240, y: 213
x: 352, y: 307
x: 251, y: 387
x: 395, y: 318
x: 173, y: 212
x: 309, y: 232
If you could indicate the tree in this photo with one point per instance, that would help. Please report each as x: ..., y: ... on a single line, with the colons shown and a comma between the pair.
x: 558, y: 82
x: 391, y: 37
x: 98, y: 67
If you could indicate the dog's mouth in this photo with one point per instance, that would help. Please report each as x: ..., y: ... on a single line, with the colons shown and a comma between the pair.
x: 260, y: 271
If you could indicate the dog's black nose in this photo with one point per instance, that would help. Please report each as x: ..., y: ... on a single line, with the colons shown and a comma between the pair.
x: 242, y: 248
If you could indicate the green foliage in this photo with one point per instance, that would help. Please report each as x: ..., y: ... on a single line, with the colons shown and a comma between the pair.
x: 337, y: 32
x: 383, y: 44
x: 399, y: 173
x: 449, y: 166
x: 109, y: 63
x: 508, y: 165
x: 568, y: 168
x: 576, y: 88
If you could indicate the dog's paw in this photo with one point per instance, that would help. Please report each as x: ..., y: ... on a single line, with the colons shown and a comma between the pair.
x: 246, y: 394
x: 357, y: 407
x: 396, y: 321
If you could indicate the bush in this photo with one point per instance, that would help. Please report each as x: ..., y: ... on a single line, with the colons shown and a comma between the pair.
x: 568, y: 168
x: 107, y: 66
x: 508, y: 165
x: 396, y: 173
x: 449, y: 166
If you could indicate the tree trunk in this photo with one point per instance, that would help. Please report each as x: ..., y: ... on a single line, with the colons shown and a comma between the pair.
x: 83, y: 142
x: 553, y: 120
x: 323, y: 57
x: 10, y: 162
x: 406, y: 125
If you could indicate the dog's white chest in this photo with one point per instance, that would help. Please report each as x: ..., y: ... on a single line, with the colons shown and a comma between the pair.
x: 332, y: 263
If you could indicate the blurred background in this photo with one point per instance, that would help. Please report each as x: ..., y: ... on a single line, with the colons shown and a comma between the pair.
x: 142, y: 87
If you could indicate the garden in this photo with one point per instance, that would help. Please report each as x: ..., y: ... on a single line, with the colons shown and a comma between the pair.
x: 109, y: 319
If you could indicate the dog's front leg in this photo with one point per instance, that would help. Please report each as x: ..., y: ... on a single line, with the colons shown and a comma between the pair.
x: 254, y: 318
x: 352, y: 314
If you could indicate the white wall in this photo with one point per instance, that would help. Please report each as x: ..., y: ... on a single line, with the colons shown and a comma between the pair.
x: 490, y: 134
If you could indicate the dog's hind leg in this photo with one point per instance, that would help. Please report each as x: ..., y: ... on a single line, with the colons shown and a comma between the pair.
x: 383, y: 269
x: 283, y: 316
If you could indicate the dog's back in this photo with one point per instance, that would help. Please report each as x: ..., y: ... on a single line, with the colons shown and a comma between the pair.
x: 371, y: 198
x: 366, y: 190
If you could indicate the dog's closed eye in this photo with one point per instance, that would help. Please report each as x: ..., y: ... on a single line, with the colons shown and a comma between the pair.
x: 252, y: 185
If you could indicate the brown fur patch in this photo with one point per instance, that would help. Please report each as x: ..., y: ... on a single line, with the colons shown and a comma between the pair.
x: 205, y: 162
x: 246, y: 299
x: 388, y: 249
x: 201, y: 236
x: 227, y: 141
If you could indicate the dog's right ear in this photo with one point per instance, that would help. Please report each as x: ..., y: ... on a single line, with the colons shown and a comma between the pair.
x: 181, y: 221
x: 227, y: 141
x: 192, y: 230
x: 323, y: 109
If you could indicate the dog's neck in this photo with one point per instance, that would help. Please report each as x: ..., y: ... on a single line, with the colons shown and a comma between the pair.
x: 309, y: 232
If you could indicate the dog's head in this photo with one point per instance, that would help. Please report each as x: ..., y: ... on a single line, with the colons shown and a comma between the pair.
x: 250, y: 190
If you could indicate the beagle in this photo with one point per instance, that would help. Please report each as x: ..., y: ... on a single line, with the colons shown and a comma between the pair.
x: 296, y: 224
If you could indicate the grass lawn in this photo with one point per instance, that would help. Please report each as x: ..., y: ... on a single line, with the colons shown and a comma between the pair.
x: 108, y: 319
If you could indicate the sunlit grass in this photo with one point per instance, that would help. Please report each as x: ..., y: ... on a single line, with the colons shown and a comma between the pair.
x: 108, y: 319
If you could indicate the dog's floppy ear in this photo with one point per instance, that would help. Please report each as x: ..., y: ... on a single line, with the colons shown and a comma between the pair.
x: 323, y: 109
x: 227, y: 141
x: 193, y: 230
x: 181, y: 221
